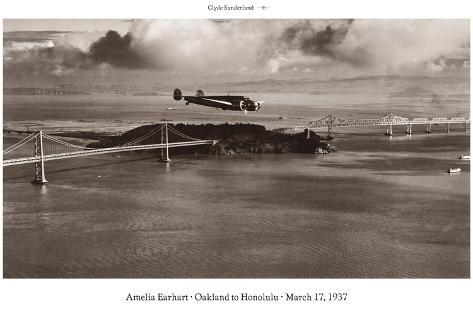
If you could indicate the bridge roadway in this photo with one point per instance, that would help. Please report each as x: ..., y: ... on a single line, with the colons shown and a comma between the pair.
x: 59, y: 156
x: 388, y: 120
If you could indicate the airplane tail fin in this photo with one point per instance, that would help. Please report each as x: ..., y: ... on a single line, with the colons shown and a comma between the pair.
x: 199, y: 93
x: 177, y: 94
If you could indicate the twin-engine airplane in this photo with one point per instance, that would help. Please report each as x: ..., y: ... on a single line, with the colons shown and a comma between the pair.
x: 225, y: 102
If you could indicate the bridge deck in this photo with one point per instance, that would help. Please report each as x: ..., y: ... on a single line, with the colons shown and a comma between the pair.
x: 387, y: 120
x: 60, y: 156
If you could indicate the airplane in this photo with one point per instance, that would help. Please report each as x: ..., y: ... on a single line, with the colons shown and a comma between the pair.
x: 225, y: 102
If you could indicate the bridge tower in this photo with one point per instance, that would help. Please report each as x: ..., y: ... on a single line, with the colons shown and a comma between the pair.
x: 40, y: 178
x: 165, y: 139
x: 409, y: 129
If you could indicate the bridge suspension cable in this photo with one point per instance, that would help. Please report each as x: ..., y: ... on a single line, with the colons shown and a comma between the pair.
x: 65, y: 143
x: 55, y: 150
x: 19, y: 144
x: 142, y: 138
x: 130, y: 143
x: 182, y: 134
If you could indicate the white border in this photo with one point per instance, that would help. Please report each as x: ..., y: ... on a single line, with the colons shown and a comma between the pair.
x: 324, y: 9
x: 107, y: 296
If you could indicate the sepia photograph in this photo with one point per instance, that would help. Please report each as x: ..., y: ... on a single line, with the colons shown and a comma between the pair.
x: 236, y: 148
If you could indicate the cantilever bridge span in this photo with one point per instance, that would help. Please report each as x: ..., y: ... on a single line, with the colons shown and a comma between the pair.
x: 39, y: 147
x: 388, y: 120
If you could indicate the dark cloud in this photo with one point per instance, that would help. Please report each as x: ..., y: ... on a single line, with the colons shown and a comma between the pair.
x: 60, y: 58
x: 322, y: 42
x: 117, y: 51
x: 315, y: 41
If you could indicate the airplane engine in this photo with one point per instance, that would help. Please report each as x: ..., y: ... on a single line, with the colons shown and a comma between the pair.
x: 258, y: 106
x: 177, y: 94
x: 199, y: 93
x: 242, y: 105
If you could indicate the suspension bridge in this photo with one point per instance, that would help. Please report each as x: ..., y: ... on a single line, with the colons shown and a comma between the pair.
x: 388, y: 120
x: 39, y: 147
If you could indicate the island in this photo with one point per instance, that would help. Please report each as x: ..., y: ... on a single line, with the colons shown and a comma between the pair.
x: 232, y: 139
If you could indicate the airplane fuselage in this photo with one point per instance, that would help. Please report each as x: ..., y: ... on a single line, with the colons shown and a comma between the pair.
x: 225, y: 102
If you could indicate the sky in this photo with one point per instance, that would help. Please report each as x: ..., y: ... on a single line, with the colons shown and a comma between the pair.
x: 69, y: 25
x: 102, y: 51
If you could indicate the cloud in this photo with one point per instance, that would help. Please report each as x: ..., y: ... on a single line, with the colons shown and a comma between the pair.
x: 394, y: 44
x: 249, y: 46
x: 117, y: 51
x: 203, y: 45
x: 387, y: 45
x: 315, y: 39
x: 43, y: 61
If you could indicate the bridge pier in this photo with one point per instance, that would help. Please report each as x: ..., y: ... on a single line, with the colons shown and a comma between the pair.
x: 330, y: 132
x: 428, y: 128
x: 465, y: 127
x: 389, y: 131
x: 165, y: 152
x: 447, y: 128
x: 409, y: 129
x: 40, y: 177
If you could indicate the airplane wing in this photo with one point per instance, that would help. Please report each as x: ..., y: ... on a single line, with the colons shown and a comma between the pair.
x: 211, y: 102
x: 219, y: 103
x: 226, y: 98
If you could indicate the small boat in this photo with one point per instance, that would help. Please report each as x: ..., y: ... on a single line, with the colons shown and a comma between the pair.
x: 454, y: 170
x: 464, y: 157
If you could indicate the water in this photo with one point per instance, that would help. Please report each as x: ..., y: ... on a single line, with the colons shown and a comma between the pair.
x: 379, y: 207
x: 297, y: 108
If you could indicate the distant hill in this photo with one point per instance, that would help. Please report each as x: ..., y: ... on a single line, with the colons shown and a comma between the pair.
x: 389, y: 85
x: 413, y: 91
